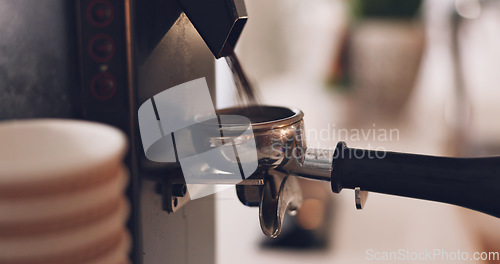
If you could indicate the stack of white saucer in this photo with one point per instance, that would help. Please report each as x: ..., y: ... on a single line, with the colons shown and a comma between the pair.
x: 62, y: 193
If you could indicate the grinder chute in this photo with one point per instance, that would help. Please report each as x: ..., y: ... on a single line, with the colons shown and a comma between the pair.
x: 219, y: 22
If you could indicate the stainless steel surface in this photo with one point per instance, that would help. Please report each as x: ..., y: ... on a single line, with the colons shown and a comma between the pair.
x: 186, y: 236
x: 360, y: 198
x: 280, y: 140
x: 280, y: 193
x: 256, y: 181
x: 317, y: 164
x: 277, y: 133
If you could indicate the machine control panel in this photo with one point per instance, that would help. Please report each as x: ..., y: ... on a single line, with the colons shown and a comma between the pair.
x: 100, y: 13
x: 103, y: 33
x: 103, y: 61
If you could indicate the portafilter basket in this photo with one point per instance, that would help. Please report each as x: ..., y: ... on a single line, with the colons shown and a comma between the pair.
x: 280, y: 140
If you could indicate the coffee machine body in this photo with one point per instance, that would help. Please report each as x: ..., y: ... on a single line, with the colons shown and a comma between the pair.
x: 99, y: 60
x: 154, y: 46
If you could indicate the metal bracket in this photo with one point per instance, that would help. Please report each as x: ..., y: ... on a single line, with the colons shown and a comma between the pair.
x: 280, y: 193
x: 360, y: 198
x: 171, y: 185
x: 174, y: 195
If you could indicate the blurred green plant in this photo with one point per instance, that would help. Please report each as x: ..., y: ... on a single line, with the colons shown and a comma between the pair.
x: 385, y: 8
x: 339, y: 76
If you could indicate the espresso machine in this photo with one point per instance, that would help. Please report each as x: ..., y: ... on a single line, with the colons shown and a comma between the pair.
x: 99, y: 60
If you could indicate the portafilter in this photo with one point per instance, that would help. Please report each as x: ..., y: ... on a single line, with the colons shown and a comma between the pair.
x: 473, y: 183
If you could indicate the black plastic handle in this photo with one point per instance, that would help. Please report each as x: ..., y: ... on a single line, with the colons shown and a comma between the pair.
x: 473, y: 183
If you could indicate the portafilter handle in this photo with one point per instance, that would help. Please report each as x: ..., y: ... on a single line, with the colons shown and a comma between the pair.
x: 473, y: 183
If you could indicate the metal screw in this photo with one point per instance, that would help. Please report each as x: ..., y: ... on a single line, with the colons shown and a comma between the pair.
x: 179, y: 190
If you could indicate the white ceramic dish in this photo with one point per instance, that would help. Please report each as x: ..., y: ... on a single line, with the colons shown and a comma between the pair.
x: 56, y: 208
x: 118, y: 255
x: 83, y: 239
x: 47, y: 155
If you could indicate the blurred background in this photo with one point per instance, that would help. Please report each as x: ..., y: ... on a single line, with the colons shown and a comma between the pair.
x: 426, y: 68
